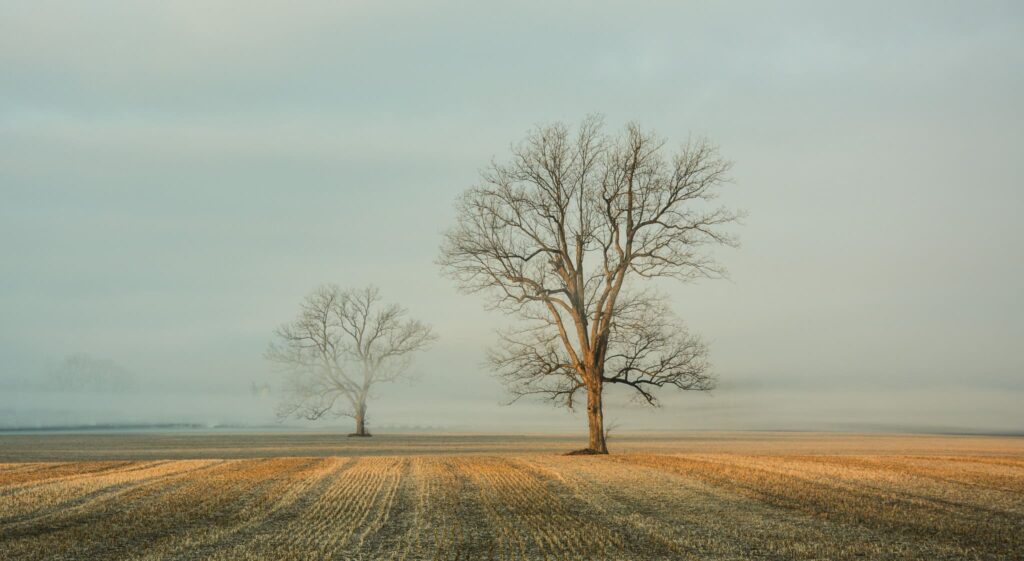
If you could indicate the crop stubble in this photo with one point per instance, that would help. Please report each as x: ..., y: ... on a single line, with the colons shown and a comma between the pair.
x: 532, y: 506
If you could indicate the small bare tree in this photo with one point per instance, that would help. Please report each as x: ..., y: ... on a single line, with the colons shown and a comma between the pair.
x: 83, y: 372
x: 342, y: 343
x: 555, y: 236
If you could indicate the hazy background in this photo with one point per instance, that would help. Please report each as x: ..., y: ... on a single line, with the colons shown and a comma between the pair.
x: 174, y: 178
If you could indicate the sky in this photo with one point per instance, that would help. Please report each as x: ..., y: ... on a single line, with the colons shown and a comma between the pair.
x: 176, y: 177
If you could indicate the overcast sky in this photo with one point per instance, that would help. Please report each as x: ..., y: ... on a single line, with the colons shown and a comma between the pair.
x: 175, y: 177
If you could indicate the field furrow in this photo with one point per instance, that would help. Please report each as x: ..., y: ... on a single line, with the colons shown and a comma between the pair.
x: 147, y: 515
x: 349, y: 505
x: 530, y: 520
x: 895, y: 517
x: 668, y: 505
x: 664, y: 516
x: 271, y: 497
x: 62, y: 498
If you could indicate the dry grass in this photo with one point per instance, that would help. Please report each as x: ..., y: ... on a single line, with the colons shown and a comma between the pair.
x: 805, y: 497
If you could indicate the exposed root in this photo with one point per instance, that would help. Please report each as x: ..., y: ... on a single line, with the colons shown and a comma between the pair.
x: 586, y: 452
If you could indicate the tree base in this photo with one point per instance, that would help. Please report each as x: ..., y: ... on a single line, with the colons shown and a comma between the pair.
x: 361, y: 435
x: 586, y: 452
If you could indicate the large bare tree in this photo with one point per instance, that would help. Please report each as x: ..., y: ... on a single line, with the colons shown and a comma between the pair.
x: 558, y: 235
x: 342, y: 343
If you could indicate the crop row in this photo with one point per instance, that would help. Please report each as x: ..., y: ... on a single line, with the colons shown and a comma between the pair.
x: 633, y: 506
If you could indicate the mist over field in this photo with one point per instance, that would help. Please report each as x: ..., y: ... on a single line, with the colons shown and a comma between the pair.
x: 174, y: 180
x: 941, y: 410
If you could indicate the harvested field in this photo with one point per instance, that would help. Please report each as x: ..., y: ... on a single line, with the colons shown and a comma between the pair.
x: 807, y: 497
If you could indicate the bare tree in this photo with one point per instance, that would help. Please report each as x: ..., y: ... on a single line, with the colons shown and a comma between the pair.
x: 84, y: 372
x: 557, y: 234
x: 342, y: 343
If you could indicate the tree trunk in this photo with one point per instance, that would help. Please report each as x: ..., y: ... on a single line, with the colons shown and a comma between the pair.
x: 595, y: 418
x: 360, y: 416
